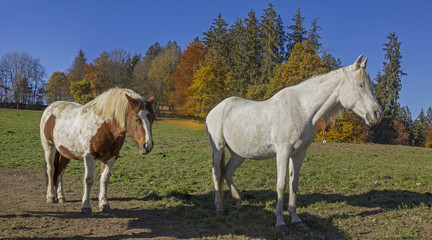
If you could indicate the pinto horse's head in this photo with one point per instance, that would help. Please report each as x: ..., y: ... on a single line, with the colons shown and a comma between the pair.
x: 139, y: 121
x: 356, y: 93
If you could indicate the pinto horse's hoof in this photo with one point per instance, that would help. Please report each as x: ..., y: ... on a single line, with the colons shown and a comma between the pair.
x: 284, y: 229
x: 52, y: 200
x: 86, y: 210
x: 104, y: 208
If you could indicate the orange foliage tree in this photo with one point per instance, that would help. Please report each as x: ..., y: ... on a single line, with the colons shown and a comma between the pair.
x: 402, y: 136
x: 184, y: 73
x: 428, y: 142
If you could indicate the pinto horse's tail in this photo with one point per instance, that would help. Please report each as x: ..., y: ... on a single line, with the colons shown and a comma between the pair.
x: 60, y: 163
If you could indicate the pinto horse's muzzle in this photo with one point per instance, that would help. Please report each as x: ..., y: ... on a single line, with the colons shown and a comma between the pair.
x: 146, y: 148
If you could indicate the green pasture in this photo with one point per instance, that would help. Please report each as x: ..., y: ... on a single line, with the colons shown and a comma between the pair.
x: 347, y: 191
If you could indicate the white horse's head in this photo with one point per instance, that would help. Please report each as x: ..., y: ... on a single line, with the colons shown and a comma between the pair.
x: 356, y: 92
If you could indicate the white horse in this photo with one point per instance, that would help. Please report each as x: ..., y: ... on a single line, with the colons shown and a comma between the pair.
x: 284, y: 126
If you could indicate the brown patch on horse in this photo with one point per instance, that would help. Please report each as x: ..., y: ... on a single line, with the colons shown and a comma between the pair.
x: 66, y: 153
x: 107, y: 142
x: 49, y: 129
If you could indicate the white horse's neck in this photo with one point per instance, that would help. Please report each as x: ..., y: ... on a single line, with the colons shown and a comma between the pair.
x: 320, y: 95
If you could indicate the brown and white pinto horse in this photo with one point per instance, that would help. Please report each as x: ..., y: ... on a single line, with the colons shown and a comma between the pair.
x: 324, y: 124
x: 94, y: 131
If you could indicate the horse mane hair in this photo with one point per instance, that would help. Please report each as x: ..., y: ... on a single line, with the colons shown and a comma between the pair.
x: 112, y: 104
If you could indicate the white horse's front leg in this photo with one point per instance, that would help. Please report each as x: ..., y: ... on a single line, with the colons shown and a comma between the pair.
x: 104, y: 180
x: 294, y: 171
x: 88, y: 183
x: 282, y: 165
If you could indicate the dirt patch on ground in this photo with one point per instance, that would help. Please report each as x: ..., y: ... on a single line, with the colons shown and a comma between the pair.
x: 24, y: 213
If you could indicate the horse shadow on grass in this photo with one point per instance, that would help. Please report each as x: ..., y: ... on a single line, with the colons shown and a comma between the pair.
x: 193, y: 216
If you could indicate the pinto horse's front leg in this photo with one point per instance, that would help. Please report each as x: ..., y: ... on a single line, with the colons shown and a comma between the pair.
x: 104, y: 180
x: 294, y: 171
x: 88, y: 183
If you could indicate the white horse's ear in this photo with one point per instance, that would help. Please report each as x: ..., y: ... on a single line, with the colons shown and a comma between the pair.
x: 358, y: 62
x: 364, y: 63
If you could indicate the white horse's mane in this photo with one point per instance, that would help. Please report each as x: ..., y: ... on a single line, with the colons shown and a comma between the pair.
x: 112, y: 105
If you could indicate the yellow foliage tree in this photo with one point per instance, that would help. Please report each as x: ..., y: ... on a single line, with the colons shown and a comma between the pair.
x: 349, y: 128
x: 302, y: 64
x: 81, y: 91
x: 209, y: 85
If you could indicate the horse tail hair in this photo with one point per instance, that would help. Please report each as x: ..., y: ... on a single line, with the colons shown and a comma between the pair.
x: 60, y: 163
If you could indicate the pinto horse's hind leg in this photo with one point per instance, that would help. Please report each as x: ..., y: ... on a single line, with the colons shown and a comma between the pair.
x: 50, y: 155
x: 234, y: 162
x: 88, y: 183
x: 58, y: 176
x: 104, y: 180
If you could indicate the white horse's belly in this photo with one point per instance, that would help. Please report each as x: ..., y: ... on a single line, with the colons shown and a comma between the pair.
x: 250, y: 143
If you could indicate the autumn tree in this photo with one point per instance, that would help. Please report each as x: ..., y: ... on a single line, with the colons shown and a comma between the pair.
x: 402, y: 135
x: 160, y: 74
x: 348, y: 128
x: 82, y: 91
x: 140, y: 81
x: 189, y: 61
x: 302, y: 64
x: 58, y: 88
x: 210, y: 84
x: 428, y: 142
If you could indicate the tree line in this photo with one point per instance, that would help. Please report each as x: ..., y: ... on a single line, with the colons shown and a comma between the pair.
x: 254, y: 58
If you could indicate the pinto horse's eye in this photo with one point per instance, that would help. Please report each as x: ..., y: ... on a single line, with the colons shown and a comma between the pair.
x: 137, y: 119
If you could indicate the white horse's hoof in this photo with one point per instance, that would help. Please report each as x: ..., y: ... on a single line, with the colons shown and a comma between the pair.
x: 61, y: 200
x: 298, y: 224
x: 238, y: 206
x: 51, y: 200
x: 284, y: 229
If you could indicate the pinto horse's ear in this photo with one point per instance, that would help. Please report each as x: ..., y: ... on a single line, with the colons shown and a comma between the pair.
x: 151, y: 100
x: 132, y: 101
x: 358, y: 62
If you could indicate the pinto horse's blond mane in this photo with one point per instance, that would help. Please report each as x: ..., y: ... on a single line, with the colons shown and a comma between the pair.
x: 112, y: 105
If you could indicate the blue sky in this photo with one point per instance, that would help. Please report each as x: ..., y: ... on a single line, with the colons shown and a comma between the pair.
x: 54, y: 31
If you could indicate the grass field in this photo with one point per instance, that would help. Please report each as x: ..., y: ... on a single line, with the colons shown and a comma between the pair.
x: 346, y: 191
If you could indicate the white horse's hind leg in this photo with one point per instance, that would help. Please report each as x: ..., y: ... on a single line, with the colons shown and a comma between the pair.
x: 104, y: 180
x: 88, y: 183
x: 282, y: 165
x: 231, y: 166
x: 50, y: 153
x: 218, y: 162
x: 294, y: 169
